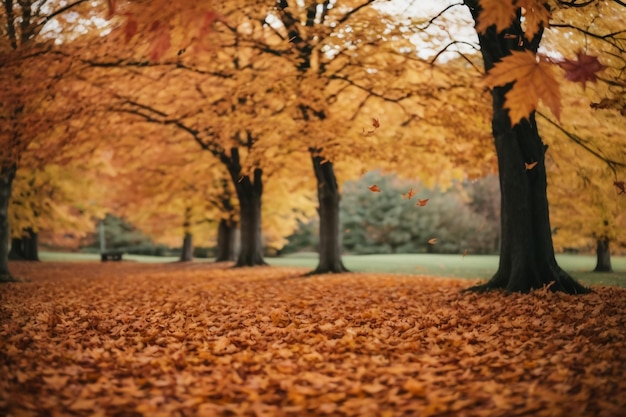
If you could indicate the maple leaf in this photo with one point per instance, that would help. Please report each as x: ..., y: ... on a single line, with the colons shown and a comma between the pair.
x: 496, y: 12
x: 533, y: 80
x: 584, y: 68
x: 374, y: 188
x: 536, y: 16
x: 409, y: 194
x: 530, y: 166
x: 621, y: 187
x: 421, y: 203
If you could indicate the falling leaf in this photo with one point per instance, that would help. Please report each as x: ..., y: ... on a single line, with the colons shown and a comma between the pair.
x: 374, y: 188
x: 533, y: 79
x: 432, y: 241
x: 409, y: 194
x: 375, y: 124
x: 464, y: 253
x: 496, y: 12
x: 584, y: 68
x: 530, y: 166
x: 422, y: 203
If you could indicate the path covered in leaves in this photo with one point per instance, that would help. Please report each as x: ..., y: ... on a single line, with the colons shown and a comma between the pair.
x: 185, y: 340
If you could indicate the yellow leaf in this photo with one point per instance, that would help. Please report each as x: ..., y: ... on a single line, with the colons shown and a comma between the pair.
x: 496, y: 12
x: 533, y: 80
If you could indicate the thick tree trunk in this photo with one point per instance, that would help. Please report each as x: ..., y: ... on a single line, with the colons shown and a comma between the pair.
x: 527, y: 258
x: 226, y: 239
x: 7, y: 174
x: 603, y: 254
x: 186, y: 255
x: 328, y: 197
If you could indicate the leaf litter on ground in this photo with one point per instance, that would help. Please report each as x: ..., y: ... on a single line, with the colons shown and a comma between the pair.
x: 193, y: 339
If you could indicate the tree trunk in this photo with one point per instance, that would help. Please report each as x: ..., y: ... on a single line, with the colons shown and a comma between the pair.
x: 17, y: 249
x: 226, y: 234
x: 603, y: 253
x: 328, y: 196
x: 7, y: 174
x: 25, y: 248
x: 186, y: 255
x: 527, y: 258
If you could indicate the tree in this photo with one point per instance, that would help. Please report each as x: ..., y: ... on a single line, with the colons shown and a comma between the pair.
x: 510, y: 36
x: 55, y: 205
x: 30, y: 109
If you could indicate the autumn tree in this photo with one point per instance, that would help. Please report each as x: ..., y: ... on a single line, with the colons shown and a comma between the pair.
x: 510, y: 35
x: 29, y: 72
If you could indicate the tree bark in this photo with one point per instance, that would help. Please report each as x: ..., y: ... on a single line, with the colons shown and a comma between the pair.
x: 186, y: 255
x: 226, y: 239
x: 328, y: 197
x: 7, y: 174
x: 527, y: 258
x: 603, y: 256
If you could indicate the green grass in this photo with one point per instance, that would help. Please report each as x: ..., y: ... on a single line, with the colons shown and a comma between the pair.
x: 471, y: 266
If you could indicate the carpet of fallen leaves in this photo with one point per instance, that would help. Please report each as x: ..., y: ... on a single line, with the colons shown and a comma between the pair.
x: 126, y: 339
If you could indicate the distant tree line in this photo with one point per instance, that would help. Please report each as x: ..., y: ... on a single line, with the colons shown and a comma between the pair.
x: 463, y: 218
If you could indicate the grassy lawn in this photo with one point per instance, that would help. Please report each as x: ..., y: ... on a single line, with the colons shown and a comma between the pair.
x: 471, y: 266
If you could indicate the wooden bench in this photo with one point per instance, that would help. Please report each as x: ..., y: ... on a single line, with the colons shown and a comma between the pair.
x: 112, y: 255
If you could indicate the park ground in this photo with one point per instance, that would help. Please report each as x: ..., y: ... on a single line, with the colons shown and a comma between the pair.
x: 187, y: 339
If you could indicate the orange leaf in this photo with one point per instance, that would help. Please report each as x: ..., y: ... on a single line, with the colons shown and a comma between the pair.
x: 432, y: 241
x: 374, y: 188
x: 422, y: 202
x: 534, y: 79
x: 536, y: 16
x: 530, y: 166
x: 409, y: 194
x: 495, y: 12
